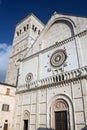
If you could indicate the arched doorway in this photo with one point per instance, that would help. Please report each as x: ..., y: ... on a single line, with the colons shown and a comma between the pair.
x: 60, y: 116
x: 26, y: 120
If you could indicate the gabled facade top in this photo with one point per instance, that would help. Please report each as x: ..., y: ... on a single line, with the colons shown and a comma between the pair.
x: 59, y: 27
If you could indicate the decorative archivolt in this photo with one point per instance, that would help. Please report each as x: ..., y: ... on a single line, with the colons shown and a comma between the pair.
x: 57, y: 30
x: 65, y: 20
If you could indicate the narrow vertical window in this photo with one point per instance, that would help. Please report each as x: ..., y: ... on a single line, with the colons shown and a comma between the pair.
x: 33, y: 27
x: 20, y: 31
x: 39, y: 32
x: 24, y: 28
x: 17, y: 33
x: 27, y: 26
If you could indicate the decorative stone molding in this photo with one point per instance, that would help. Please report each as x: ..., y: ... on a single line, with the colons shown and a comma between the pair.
x: 26, y: 115
x: 59, y: 79
x: 29, y: 77
x: 60, y: 105
x: 58, y: 58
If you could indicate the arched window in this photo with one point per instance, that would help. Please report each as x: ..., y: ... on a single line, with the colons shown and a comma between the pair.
x: 24, y: 28
x: 17, y: 33
x: 39, y: 32
x: 33, y: 27
x: 27, y: 26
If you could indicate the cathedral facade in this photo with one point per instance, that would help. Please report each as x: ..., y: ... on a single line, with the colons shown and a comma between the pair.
x: 48, y: 65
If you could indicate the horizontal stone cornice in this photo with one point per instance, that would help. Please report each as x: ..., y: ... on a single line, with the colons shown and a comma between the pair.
x: 59, y: 84
x: 57, y: 44
x: 56, y: 80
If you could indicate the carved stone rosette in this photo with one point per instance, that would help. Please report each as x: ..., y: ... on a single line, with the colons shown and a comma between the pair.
x: 58, y: 58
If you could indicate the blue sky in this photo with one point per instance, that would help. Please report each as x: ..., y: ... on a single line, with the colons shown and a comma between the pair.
x: 13, y: 11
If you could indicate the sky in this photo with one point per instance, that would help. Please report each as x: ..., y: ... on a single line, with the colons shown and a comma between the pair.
x: 13, y: 11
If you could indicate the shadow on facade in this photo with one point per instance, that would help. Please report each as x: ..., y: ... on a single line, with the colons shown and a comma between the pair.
x: 44, y: 128
x: 85, y: 128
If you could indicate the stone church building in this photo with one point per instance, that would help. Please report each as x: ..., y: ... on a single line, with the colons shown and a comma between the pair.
x: 48, y: 64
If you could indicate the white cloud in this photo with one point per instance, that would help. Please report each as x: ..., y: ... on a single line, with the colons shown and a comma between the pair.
x: 5, y: 50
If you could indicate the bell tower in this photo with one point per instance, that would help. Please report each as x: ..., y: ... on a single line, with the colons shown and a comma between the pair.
x: 26, y: 33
